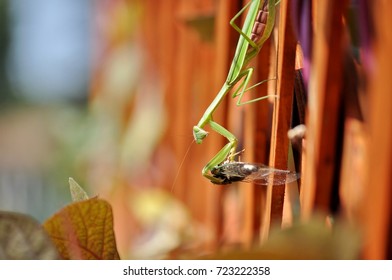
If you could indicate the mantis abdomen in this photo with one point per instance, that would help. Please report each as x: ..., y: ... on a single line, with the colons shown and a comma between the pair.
x: 260, y: 23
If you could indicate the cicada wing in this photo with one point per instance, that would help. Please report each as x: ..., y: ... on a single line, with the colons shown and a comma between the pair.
x: 268, y: 175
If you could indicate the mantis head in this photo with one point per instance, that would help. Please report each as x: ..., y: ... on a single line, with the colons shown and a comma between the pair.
x: 199, y: 134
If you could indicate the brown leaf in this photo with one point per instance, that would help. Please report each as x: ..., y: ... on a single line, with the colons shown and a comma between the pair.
x: 22, y: 237
x: 84, y: 230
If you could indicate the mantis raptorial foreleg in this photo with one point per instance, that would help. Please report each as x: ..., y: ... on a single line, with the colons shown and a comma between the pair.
x: 224, y: 153
x: 257, y: 28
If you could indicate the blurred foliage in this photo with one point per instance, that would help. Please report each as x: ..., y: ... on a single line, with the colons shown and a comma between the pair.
x: 80, y: 230
x: 166, y: 223
x: 23, y: 238
x: 84, y: 230
x: 312, y: 240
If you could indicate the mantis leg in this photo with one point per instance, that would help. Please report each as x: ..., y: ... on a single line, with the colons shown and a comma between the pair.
x: 226, y: 153
x: 242, y: 88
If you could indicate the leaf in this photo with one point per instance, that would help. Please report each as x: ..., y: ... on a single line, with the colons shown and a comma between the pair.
x: 22, y: 237
x: 84, y: 230
x: 77, y: 192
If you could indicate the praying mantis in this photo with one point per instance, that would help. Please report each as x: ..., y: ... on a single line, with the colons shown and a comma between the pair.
x: 257, y: 28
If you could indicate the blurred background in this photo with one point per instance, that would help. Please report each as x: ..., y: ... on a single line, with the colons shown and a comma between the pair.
x: 83, y: 94
x: 107, y: 92
x: 46, y: 63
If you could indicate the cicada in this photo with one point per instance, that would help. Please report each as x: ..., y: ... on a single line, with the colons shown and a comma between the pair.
x: 260, y: 174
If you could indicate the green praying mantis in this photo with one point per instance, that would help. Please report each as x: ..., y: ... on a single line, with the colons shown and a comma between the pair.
x: 222, y: 169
